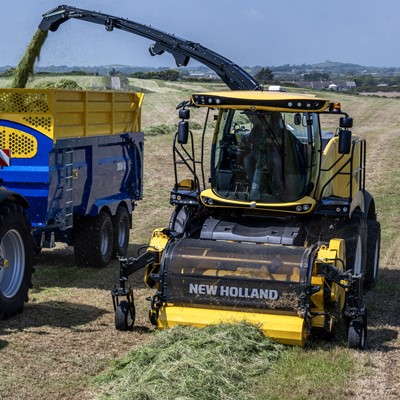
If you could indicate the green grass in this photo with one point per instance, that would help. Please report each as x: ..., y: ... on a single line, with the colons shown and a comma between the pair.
x: 216, y: 362
x: 388, y: 204
x: 162, y: 129
x: 301, y: 375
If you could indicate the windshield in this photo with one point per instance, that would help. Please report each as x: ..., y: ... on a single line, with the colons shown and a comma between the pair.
x: 265, y: 156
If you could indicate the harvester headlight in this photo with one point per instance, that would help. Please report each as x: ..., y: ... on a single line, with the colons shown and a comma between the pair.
x: 208, y: 200
x: 338, y: 209
x: 345, y: 209
x: 303, y: 207
x: 179, y: 197
x: 173, y: 196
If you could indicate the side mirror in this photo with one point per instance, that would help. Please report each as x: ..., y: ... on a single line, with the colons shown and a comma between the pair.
x: 346, y: 122
x: 297, y: 119
x: 344, y: 141
x: 184, y: 113
x: 183, y: 126
x: 183, y: 132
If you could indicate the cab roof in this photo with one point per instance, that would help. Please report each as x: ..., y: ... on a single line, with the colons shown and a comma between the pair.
x: 260, y: 100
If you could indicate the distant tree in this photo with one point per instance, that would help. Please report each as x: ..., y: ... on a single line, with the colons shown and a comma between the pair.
x: 169, y: 75
x: 365, y: 80
x: 265, y: 75
x: 8, y: 72
x: 165, y: 75
x: 113, y: 72
x: 316, y: 76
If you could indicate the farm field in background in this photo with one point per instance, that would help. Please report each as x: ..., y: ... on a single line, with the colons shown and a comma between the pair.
x: 65, y: 337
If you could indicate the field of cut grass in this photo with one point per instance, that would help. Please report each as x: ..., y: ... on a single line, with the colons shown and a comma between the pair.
x: 64, y: 345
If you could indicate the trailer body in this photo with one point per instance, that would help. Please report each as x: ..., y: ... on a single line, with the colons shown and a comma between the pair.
x: 76, y: 159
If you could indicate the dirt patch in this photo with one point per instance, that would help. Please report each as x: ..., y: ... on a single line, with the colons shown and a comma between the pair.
x: 64, y: 338
x: 380, y: 363
x: 382, y: 357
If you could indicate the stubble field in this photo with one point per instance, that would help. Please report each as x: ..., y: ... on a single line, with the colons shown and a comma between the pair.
x: 65, y: 337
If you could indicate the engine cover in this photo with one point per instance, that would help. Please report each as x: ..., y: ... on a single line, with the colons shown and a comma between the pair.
x: 251, y: 230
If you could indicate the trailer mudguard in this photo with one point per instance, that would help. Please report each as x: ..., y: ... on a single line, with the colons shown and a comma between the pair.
x: 7, y: 195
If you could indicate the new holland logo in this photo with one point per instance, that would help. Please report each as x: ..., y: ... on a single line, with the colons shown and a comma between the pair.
x: 233, y: 291
x: 4, y: 157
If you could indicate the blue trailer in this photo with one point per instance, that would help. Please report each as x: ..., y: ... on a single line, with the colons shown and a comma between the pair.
x: 71, y: 169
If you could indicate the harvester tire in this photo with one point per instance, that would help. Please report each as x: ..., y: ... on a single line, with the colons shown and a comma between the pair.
x: 357, y: 334
x: 180, y: 219
x: 16, y: 255
x: 373, y: 250
x: 124, y: 316
x: 93, y: 241
x: 355, y: 235
x: 121, y: 229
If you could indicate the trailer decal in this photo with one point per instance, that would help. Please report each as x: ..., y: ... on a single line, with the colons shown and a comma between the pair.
x: 4, y: 158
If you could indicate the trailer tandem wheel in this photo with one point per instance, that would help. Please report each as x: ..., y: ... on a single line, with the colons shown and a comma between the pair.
x: 93, y: 240
x: 121, y: 228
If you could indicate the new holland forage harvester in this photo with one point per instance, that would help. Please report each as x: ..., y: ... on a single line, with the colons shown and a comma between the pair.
x: 278, y: 230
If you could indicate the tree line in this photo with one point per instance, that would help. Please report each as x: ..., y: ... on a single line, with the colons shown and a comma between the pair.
x: 263, y: 75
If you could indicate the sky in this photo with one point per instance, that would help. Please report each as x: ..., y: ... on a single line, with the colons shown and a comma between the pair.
x: 250, y: 33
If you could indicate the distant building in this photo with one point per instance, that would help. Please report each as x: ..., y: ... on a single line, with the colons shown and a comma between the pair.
x: 327, y: 85
x: 115, y: 83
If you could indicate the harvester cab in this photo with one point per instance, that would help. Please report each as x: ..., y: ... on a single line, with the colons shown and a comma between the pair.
x: 269, y: 153
x: 271, y: 224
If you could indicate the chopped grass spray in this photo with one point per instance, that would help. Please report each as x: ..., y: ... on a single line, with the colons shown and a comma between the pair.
x: 25, y: 66
x: 216, y: 362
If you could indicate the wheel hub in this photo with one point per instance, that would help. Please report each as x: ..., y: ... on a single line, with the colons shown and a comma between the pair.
x: 12, y: 254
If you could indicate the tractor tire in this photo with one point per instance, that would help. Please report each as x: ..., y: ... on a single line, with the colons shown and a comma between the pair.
x: 16, y: 259
x: 357, y: 334
x: 121, y: 229
x: 93, y: 241
x: 181, y: 220
x: 355, y: 234
x: 373, y: 253
x: 124, y: 316
x: 178, y: 219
